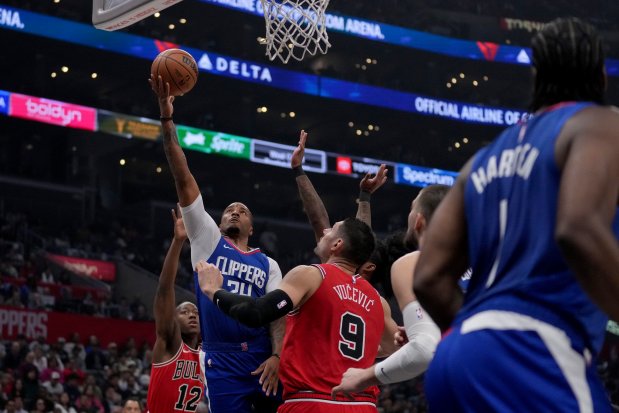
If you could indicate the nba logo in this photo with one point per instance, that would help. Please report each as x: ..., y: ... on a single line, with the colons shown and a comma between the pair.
x: 419, y: 312
x: 244, y: 347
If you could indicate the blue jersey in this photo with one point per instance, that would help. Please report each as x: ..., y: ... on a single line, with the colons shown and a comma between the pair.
x: 244, y: 273
x: 510, y: 204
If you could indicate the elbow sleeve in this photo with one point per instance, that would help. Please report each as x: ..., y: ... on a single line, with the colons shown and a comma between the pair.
x: 254, y: 312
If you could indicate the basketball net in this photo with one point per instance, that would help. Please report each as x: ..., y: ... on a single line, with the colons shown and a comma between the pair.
x: 295, y: 28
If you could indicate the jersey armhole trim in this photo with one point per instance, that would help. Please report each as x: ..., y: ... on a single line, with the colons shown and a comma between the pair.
x: 172, y: 360
x: 323, y: 273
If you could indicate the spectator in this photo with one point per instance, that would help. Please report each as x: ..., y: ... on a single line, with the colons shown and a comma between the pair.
x: 53, y: 386
x: 47, y: 276
x: 132, y: 406
x: 70, y: 369
x: 27, y: 364
x: 41, y: 406
x: 58, y: 348
x: 31, y: 387
x: 112, y: 354
x: 74, y: 347
x: 71, y: 386
x: 95, y: 359
x: 64, y: 404
x: 14, y: 357
x: 113, y: 399
x: 19, y: 405
x: 39, y: 361
x: 52, y: 366
x: 89, y: 401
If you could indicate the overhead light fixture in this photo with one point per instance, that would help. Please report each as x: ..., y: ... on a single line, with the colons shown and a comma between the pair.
x: 183, y: 21
x: 457, y: 144
x: 94, y: 75
x: 53, y: 75
x: 448, y: 85
x: 157, y: 14
x: 368, y: 60
x: 171, y: 26
x: 351, y: 124
x: 358, y: 132
x: 370, y: 127
x: 461, y: 75
x: 64, y: 69
x: 158, y: 169
x: 475, y: 83
x: 485, y: 78
x: 292, y: 114
x: 366, y: 133
x: 465, y: 140
x: 122, y: 162
x: 454, y: 80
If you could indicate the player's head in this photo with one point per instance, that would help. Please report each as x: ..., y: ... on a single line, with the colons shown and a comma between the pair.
x: 568, y: 64
x: 350, y: 239
x: 188, y: 319
x: 237, y: 221
x: 132, y: 406
x: 377, y: 268
x: 422, y: 209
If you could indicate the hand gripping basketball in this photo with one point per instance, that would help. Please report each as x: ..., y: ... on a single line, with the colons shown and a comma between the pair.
x: 162, y: 90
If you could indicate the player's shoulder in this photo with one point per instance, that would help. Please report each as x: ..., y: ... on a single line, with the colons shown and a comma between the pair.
x: 406, y: 261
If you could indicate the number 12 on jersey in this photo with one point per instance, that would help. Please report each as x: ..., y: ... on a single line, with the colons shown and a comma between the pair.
x: 190, y: 405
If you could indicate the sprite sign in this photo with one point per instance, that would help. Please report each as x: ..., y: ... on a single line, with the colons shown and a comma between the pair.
x: 214, y: 142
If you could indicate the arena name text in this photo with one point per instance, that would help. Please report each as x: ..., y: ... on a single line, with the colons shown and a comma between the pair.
x: 362, y: 28
x: 10, y: 18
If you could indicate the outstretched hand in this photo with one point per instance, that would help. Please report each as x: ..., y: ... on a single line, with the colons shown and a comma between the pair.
x: 298, y: 153
x: 269, y: 375
x: 209, y: 278
x: 399, y: 337
x: 180, y: 233
x: 371, y: 182
x: 353, y: 381
x: 162, y: 90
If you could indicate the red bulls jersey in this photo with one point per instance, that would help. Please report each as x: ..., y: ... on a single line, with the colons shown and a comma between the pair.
x: 340, y: 326
x: 176, y: 385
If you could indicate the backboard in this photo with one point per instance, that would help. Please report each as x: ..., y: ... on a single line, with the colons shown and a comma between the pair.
x: 118, y: 14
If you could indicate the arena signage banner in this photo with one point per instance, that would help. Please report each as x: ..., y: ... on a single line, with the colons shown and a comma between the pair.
x: 128, y: 126
x: 355, y: 166
x: 414, y: 39
x: 4, y: 102
x: 422, y: 177
x: 101, y: 270
x: 276, y: 154
x: 214, y: 142
x: 53, y: 112
x: 51, y: 325
x: 248, y: 71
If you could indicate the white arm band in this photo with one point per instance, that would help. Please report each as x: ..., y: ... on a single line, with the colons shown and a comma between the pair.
x: 412, y: 359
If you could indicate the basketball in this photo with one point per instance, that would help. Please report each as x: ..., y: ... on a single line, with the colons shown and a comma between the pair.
x: 178, y: 68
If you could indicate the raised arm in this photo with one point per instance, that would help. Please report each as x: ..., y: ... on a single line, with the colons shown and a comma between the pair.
x: 186, y: 186
x: 312, y: 204
x: 168, y: 330
x: 587, y: 204
x: 368, y: 185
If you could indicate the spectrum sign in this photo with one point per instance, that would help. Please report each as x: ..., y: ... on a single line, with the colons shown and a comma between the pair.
x: 422, y: 177
x: 53, y: 112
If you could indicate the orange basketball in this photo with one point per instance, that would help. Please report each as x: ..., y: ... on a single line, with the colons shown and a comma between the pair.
x: 178, y: 68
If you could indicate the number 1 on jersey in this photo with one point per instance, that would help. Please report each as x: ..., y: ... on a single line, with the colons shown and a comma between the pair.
x: 502, y: 226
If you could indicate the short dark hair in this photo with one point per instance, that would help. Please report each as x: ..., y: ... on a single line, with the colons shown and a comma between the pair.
x: 133, y: 399
x: 359, y: 240
x: 568, y: 57
x: 429, y: 198
x: 385, y: 253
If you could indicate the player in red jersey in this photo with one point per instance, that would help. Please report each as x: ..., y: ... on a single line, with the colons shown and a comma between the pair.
x: 176, y: 383
x: 337, y: 320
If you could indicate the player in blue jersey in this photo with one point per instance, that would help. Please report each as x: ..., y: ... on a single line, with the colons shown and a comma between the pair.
x: 240, y: 363
x: 532, y: 214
